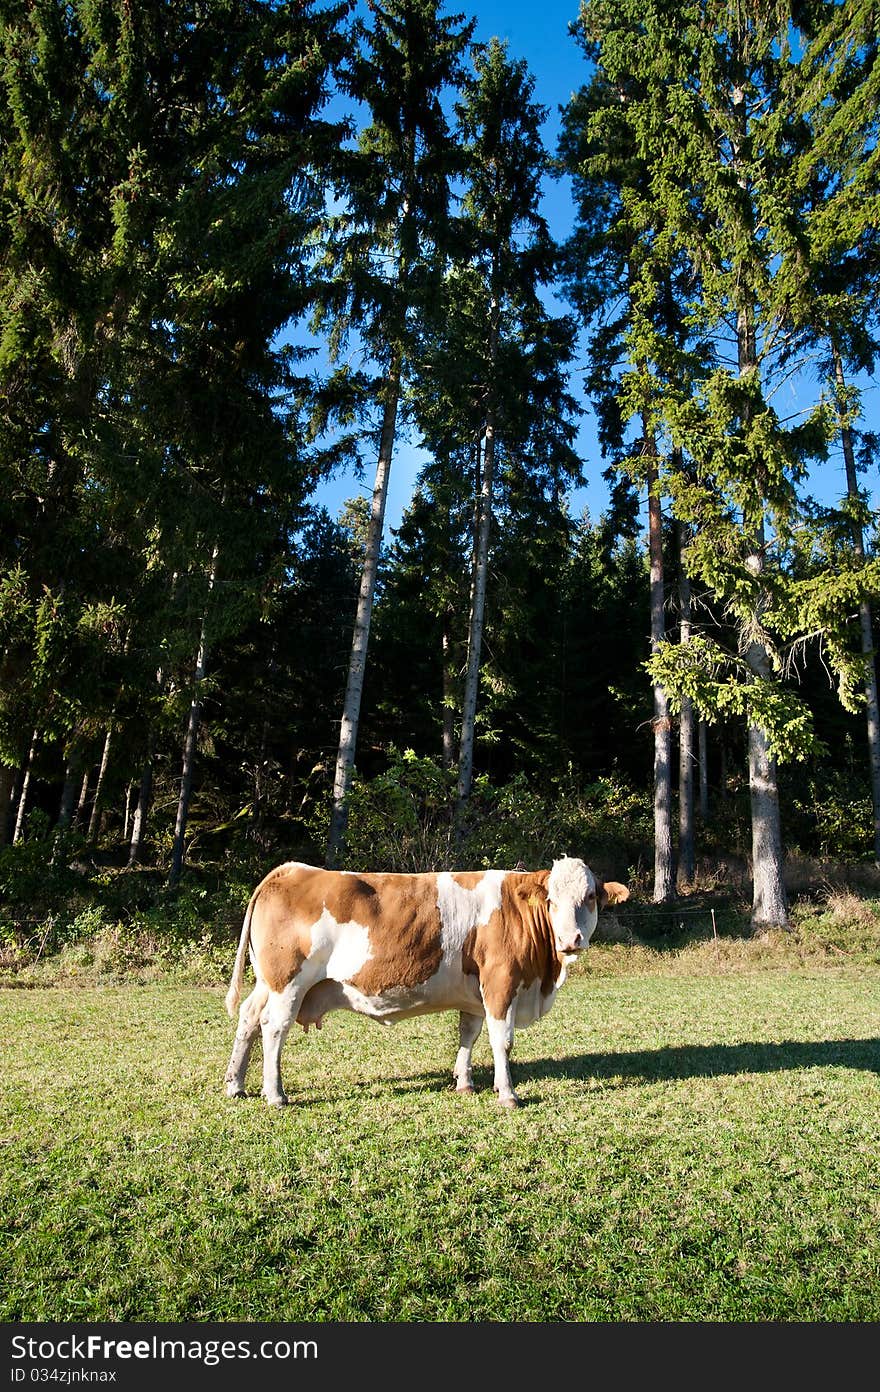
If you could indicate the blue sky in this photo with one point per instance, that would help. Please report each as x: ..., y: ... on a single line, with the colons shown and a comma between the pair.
x: 539, y: 33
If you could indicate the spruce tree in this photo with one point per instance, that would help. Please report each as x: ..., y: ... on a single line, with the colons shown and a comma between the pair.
x: 703, y: 97
x: 379, y: 260
x: 498, y: 332
x: 163, y: 172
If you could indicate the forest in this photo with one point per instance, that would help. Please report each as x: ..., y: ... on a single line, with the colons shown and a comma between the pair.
x: 247, y: 247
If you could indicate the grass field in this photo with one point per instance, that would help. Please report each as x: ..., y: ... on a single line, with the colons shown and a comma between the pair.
x: 699, y: 1142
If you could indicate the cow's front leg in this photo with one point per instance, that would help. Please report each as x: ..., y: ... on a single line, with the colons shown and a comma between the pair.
x: 469, y: 1027
x: 501, y: 1039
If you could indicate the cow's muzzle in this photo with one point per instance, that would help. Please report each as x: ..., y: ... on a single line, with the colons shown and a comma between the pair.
x: 575, y: 944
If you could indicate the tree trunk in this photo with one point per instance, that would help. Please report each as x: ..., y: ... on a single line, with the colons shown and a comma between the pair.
x: 358, y: 661
x: 480, y: 573
x: 126, y: 814
x: 769, y: 899
x: 68, y: 792
x: 664, y: 869
x: 68, y: 797
x: 139, y: 821
x: 25, y: 786
x: 83, y: 798
x: 192, y: 732
x: 7, y: 780
x: 94, y: 820
x: 865, y: 618
x: 448, y: 733
x: 685, y: 735
x: 475, y: 624
x: 704, y: 771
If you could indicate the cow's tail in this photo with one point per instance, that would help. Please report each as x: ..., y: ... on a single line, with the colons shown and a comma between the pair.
x: 233, y: 995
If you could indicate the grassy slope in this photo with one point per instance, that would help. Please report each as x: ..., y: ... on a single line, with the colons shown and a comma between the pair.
x: 699, y: 1142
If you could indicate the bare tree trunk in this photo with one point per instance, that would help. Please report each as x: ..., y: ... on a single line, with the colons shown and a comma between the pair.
x: 664, y: 869
x: 685, y: 735
x: 82, y: 799
x: 704, y: 771
x: 358, y: 660
x: 145, y: 788
x: 486, y: 482
x: 66, y: 808
x: 126, y: 814
x: 25, y: 786
x: 769, y: 899
x: 477, y: 616
x: 448, y: 733
x: 865, y: 618
x: 7, y: 780
x: 68, y: 792
x: 94, y: 820
x: 192, y: 732
x: 139, y: 821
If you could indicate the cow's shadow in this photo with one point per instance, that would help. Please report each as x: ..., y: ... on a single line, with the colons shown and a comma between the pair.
x: 709, y: 1060
x: 637, y: 1068
x: 642, y: 1067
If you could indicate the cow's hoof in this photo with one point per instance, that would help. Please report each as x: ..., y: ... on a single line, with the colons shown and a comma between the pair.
x: 279, y: 1101
x: 466, y: 1088
x: 235, y: 1090
x: 511, y: 1103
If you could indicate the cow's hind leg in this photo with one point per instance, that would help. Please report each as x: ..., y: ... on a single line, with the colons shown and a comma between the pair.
x: 245, y: 1034
x: 469, y: 1027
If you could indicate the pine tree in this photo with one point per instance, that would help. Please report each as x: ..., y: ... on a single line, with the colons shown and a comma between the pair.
x: 703, y: 95
x: 379, y: 257
x: 161, y: 182
x: 505, y: 352
x: 829, y: 240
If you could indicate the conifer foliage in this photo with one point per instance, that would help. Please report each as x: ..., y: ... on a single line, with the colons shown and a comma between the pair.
x: 244, y: 247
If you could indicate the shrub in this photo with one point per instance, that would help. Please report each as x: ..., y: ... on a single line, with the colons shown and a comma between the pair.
x: 404, y: 819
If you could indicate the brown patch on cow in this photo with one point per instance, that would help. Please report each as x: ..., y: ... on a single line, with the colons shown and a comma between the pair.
x: 468, y: 879
x: 291, y: 900
x: 280, y: 939
x: 399, y: 912
x: 516, y: 947
x: 405, y: 940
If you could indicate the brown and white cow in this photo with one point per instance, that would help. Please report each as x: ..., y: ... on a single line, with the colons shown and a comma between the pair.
x: 491, y: 944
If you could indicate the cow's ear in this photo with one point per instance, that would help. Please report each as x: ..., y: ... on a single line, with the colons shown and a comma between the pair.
x: 610, y: 892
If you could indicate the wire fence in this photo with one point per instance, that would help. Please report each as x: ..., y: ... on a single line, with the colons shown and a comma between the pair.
x: 668, y: 920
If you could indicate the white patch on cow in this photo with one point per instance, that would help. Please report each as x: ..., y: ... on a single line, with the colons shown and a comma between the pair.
x: 344, y: 947
x: 571, y: 891
x: 570, y: 880
x: 462, y: 909
x: 532, y: 1003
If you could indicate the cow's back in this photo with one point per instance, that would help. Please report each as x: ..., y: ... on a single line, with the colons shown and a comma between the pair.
x: 385, y: 936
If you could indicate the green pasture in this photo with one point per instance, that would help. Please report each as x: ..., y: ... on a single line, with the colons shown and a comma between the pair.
x: 698, y: 1144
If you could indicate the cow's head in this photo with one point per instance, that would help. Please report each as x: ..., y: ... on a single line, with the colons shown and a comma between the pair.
x: 575, y: 896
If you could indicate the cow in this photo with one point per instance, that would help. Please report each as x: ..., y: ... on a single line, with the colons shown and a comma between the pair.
x: 492, y: 944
